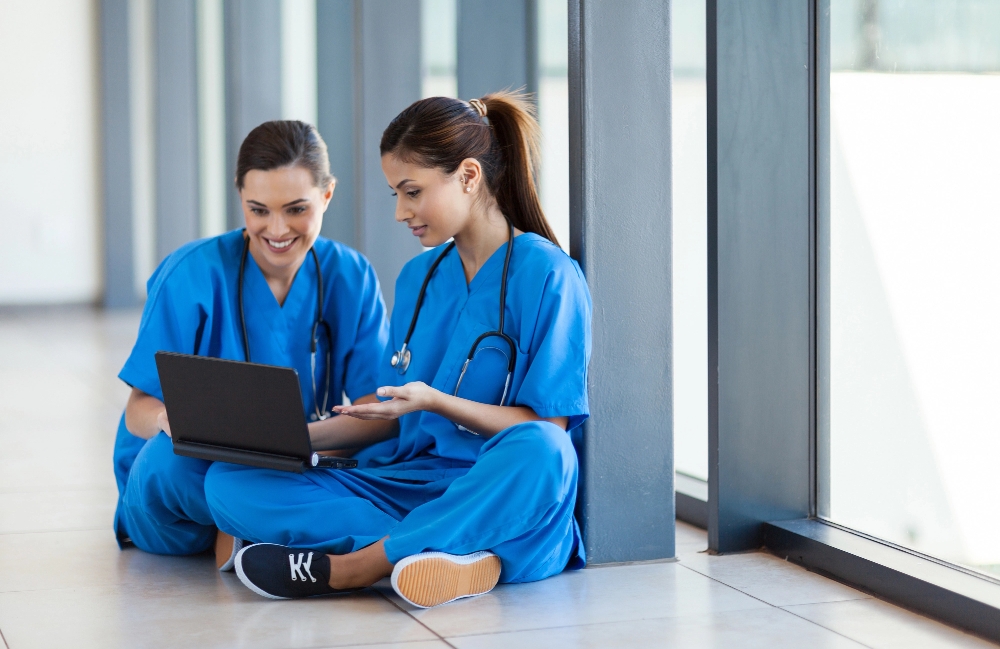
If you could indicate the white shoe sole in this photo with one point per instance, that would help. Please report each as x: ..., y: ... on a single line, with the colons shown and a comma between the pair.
x: 243, y: 577
x: 434, y: 578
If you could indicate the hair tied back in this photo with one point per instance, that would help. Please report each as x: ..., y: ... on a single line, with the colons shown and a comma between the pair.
x: 478, y: 106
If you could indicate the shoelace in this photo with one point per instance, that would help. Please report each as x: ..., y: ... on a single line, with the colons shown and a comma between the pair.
x: 298, y: 566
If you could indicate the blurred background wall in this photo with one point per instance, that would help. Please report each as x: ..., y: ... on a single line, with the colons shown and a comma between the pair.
x: 120, y: 120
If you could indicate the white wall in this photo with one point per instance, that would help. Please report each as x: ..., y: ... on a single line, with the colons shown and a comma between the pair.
x: 49, y: 151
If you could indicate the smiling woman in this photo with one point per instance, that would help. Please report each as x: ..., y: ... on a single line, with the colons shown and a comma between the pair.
x: 249, y: 293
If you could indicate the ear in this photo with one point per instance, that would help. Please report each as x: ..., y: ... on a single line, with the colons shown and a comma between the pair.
x: 328, y: 194
x: 470, y: 174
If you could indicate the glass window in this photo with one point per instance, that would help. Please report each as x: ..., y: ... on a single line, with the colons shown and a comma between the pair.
x: 690, y: 212
x: 438, y: 51
x: 553, y: 114
x: 909, y: 277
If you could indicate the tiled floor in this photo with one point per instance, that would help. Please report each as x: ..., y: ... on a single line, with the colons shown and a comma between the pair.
x: 64, y: 583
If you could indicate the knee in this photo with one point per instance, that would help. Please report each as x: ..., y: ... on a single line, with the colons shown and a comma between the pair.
x: 154, y: 461
x: 547, y: 449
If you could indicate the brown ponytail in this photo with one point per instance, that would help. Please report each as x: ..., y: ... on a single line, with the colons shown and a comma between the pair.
x: 441, y: 132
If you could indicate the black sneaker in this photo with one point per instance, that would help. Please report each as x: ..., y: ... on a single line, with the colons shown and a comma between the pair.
x: 281, y: 572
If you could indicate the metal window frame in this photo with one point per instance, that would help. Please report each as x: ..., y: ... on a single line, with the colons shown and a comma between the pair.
x: 950, y: 593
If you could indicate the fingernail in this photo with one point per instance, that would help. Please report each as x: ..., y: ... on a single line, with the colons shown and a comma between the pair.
x: 381, y: 392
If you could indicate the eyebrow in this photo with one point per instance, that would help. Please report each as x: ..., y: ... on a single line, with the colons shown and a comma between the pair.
x: 295, y: 202
x: 401, y: 183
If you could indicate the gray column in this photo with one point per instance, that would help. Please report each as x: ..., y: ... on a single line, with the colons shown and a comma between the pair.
x: 760, y: 211
x: 116, y: 133
x: 387, y: 73
x: 497, y: 46
x: 620, y: 230
x: 176, y: 109
x: 253, y: 77
x: 335, y: 68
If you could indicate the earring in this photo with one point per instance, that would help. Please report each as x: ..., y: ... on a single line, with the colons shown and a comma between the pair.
x: 468, y: 189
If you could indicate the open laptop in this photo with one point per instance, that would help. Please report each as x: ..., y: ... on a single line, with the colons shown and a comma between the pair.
x: 245, y: 413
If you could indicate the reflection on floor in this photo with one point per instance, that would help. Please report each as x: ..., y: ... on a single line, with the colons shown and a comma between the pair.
x: 63, y: 581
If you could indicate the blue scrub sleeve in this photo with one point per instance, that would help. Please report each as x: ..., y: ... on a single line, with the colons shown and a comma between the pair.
x: 555, y: 384
x: 363, y: 360
x: 172, y: 321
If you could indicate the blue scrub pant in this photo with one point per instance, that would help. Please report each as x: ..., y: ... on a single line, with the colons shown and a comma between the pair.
x: 516, y: 500
x: 163, y: 508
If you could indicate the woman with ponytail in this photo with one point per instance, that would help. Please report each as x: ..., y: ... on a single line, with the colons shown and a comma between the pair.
x: 485, y: 381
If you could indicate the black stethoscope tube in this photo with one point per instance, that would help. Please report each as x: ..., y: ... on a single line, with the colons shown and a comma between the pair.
x: 317, y: 323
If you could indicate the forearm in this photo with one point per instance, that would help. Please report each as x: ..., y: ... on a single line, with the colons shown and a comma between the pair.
x: 141, y: 414
x: 486, y: 420
x: 340, y: 433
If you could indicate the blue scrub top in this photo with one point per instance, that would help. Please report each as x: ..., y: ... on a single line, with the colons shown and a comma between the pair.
x: 191, y: 307
x: 548, y: 314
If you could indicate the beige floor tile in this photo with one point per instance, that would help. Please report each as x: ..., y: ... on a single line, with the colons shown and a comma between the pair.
x: 883, y: 626
x: 586, y: 596
x: 770, y: 579
x: 770, y: 628
x: 108, y: 618
x: 420, y: 644
x: 690, y: 539
x: 45, y: 511
x: 91, y: 558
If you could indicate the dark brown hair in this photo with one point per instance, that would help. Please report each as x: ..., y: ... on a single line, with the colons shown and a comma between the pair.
x: 441, y: 132
x: 284, y: 143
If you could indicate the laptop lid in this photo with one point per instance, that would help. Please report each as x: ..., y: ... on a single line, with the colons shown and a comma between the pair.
x: 226, y: 404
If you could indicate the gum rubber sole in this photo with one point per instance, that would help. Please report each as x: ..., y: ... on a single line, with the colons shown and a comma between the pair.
x: 437, y: 578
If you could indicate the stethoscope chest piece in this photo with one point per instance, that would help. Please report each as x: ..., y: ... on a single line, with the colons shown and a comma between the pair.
x: 401, y: 359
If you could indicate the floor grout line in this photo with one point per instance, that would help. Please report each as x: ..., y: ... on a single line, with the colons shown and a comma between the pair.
x: 414, y: 618
x: 860, y: 644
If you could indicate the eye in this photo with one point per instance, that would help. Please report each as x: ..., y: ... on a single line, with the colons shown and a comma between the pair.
x: 413, y: 193
x: 297, y: 209
x: 394, y: 194
x: 259, y: 211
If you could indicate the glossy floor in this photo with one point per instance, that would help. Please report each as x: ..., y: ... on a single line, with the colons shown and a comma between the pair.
x: 64, y: 583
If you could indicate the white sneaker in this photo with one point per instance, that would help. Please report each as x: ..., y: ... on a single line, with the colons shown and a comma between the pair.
x: 433, y: 578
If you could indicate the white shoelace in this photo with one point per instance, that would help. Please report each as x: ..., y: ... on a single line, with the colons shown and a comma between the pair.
x: 298, y: 566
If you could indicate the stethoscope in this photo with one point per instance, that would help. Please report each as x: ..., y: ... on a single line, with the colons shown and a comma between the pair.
x: 401, y: 359
x: 313, y: 341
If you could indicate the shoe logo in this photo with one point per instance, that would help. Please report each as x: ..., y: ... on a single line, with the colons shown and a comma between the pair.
x: 299, y: 566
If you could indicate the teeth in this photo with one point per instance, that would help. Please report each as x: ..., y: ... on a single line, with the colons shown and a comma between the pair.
x: 281, y: 244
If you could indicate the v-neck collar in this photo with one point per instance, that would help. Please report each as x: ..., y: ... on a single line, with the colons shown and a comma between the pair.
x: 492, y: 266
x: 252, y: 263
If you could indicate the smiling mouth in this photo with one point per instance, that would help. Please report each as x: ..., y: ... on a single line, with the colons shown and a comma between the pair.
x: 417, y: 231
x: 279, y: 245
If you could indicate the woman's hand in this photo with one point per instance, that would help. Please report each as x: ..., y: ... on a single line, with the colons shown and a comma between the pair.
x: 161, y: 421
x: 406, y: 399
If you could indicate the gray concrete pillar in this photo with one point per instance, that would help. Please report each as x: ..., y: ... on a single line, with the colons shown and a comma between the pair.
x: 760, y: 77
x: 497, y: 46
x: 620, y: 232
x: 176, y: 117
x: 116, y: 134
x: 253, y: 78
x: 387, y: 78
x: 335, y: 69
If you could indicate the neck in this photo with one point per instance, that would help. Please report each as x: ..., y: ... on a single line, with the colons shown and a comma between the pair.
x: 279, y: 280
x: 485, y: 232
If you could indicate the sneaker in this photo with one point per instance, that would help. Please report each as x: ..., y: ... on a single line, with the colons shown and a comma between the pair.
x: 433, y: 578
x: 226, y: 549
x: 281, y: 572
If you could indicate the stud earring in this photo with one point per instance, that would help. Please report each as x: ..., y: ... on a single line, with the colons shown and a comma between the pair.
x: 468, y: 189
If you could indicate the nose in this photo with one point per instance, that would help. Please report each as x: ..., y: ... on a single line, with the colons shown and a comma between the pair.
x: 402, y: 214
x: 277, y: 226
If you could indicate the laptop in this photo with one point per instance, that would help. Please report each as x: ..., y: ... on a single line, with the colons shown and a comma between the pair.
x: 245, y: 413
